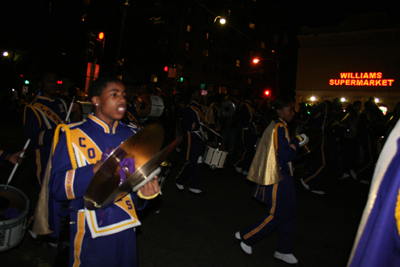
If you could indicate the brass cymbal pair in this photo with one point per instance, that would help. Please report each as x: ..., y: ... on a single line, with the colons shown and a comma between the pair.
x: 144, y: 148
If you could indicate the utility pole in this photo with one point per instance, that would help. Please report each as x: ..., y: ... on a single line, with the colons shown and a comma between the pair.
x: 121, y: 34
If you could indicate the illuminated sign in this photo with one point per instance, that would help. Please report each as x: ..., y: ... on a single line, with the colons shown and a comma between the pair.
x: 361, y: 79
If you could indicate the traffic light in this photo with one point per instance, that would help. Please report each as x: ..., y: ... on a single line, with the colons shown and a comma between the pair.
x: 26, y: 81
x: 95, y: 44
x: 267, y: 93
x: 166, y: 68
x: 99, y: 46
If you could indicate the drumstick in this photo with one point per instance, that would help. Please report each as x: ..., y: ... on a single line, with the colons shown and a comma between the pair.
x: 70, y: 108
x: 210, y: 129
x: 16, y: 164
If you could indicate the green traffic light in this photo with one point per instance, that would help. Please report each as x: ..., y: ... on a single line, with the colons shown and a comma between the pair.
x: 26, y: 82
x: 181, y: 79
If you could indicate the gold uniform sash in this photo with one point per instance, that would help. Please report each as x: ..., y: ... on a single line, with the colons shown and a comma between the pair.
x: 48, y: 112
x: 264, y: 169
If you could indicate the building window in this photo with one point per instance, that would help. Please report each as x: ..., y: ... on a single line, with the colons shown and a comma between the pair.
x: 238, y: 63
x: 249, y: 80
x: 153, y: 78
x: 223, y: 90
x: 205, y: 52
x: 188, y: 28
x: 207, y: 36
x: 252, y: 25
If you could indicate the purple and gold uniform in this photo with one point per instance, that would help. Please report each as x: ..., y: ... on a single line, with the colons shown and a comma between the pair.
x: 248, y: 135
x: 273, y: 159
x: 41, y: 117
x: 131, y: 115
x: 192, y: 116
x: 317, y: 119
x: 97, y: 237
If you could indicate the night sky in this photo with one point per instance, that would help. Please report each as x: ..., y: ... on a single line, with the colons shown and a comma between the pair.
x: 39, y: 37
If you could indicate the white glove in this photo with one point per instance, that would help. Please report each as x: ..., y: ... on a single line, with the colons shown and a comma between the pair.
x: 304, y: 139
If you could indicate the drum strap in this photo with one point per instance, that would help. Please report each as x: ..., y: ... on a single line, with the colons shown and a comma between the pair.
x: 200, y: 134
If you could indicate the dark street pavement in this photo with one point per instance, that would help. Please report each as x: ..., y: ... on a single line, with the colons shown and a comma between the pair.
x: 183, y: 229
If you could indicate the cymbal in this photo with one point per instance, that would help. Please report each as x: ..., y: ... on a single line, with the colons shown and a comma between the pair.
x: 315, y: 136
x: 141, y: 176
x: 141, y: 146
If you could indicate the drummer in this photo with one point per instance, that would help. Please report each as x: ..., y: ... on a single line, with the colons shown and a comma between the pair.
x: 194, y: 136
x: 97, y: 237
x: 212, y: 118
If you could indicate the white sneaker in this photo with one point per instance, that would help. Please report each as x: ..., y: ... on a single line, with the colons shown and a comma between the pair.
x: 180, y: 187
x: 365, y: 182
x: 245, y: 172
x: 306, y: 186
x: 196, y: 191
x: 237, y: 236
x: 238, y: 169
x: 288, y: 258
x: 353, y: 174
x: 246, y: 249
x: 319, y: 192
x: 345, y: 175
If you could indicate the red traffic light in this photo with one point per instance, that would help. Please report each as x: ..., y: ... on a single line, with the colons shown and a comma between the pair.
x: 100, y: 36
x: 267, y: 93
x: 166, y: 68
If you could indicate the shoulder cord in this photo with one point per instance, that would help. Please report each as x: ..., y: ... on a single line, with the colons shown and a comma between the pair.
x: 397, y: 213
x: 69, y: 143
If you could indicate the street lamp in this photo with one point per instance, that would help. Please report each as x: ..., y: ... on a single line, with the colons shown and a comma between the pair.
x: 222, y: 21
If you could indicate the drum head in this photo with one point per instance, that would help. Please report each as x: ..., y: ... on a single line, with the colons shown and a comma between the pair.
x: 143, y: 105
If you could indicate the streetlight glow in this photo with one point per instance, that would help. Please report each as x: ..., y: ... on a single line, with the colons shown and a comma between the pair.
x: 376, y: 100
x: 256, y: 60
x: 312, y: 98
x: 343, y: 99
x: 221, y: 20
x: 5, y: 54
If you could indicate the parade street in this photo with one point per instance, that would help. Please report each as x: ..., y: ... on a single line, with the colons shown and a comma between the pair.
x: 186, y: 229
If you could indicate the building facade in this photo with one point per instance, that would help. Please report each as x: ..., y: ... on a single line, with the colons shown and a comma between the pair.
x: 356, y: 60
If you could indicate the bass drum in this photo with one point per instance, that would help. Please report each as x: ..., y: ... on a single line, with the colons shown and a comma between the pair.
x: 14, y: 206
x: 149, y: 106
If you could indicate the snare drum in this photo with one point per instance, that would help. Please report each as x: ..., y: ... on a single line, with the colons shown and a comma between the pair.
x: 14, y: 206
x: 215, y: 157
x: 149, y: 105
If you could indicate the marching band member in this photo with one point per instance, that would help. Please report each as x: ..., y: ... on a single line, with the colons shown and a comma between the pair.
x: 97, y: 237
x: 41, y: 117
x: 195, y: 138
x: 314, y: 179
x: 212, y: 118
x: 248, y: 136
x: 272, y: 172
